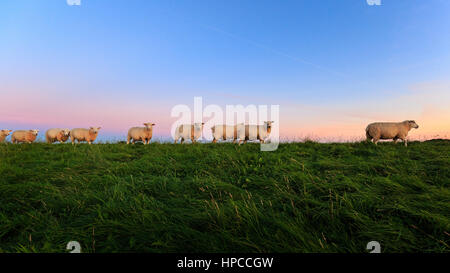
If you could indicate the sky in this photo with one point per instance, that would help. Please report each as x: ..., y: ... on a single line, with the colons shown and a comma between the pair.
x: 331, y: 66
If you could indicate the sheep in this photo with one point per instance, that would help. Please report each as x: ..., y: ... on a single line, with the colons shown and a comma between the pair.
x: 189, y: 131
x: 81, y: 134
x: 4, y: 134
x: 143, y: 134
x: 390, y: 130
x: 225, y: 132
x: 57, y: 134
x: 254, y: 132
x: 27, y: 136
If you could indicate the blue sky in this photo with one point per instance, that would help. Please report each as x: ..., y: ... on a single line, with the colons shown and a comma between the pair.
x: 156, y: 54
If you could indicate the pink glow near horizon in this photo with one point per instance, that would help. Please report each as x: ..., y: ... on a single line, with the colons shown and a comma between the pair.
x: 333, y: 123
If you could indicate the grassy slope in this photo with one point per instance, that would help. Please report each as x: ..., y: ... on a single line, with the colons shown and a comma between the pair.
x: 304, y: 197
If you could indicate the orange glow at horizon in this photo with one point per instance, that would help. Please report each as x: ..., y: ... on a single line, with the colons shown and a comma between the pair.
x: 336, y: 122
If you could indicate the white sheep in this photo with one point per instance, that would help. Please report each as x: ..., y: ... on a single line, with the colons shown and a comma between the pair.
x: 225, y: 132
x: 189, y: 131
x: 143, y: 134
x: 57, y: 134
x: 27, y: 136
x: 390, y: 130
x: 81, y: 134
x: 4, y: 134
x: 254, y: 132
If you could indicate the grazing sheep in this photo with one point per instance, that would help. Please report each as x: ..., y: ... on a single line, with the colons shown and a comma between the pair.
x: 255, y: 132
x: 189, y: 131
x: 390, y: 130
x: 81, y: 134
x: 143, y: 134
x: 57, y: 134
x: 225, y: 132
x: 27, y: 136
x: 4, y: 134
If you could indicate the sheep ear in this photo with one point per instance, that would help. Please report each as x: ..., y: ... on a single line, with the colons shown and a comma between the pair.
x: 99, y: 128
x: 91, y: 127
x: 153, y: 124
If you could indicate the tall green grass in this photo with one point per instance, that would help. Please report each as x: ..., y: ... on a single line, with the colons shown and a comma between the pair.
x: 304, y: 197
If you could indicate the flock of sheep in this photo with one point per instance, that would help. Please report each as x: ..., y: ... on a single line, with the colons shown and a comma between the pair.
x: 374, y: 132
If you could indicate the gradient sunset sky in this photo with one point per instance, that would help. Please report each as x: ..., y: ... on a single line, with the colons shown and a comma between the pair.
x: 332, y: 66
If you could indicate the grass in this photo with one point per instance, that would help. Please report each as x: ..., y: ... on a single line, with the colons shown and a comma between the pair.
x: 304, y: 197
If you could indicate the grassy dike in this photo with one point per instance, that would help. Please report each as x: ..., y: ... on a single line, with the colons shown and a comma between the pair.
x: 304, y: 197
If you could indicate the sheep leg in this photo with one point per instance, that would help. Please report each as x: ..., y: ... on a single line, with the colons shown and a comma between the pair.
x: 182, y: 140
x: 375, y: 140
x: 214, y: 140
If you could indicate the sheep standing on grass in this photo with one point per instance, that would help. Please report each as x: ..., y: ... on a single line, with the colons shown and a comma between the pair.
x: 390, y: 130
x: 81, y: 134
x: 225, y: 132
x: 255, y: 132
x: 57, y: 134
x: 27, y: 136
x: 189, y: 131
x: 4, y: 134
x: 143, y: 134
